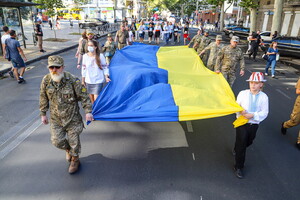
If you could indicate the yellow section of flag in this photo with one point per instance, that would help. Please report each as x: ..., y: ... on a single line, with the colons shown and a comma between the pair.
x: 198, y: 92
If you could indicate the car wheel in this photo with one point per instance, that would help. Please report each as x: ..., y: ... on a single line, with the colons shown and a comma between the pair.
x: 230, y: 35
x: 80, y: 25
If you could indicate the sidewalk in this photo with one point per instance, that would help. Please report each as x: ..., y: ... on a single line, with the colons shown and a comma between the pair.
x: 32, y: 52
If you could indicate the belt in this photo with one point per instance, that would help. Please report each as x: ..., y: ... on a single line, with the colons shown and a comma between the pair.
x: 251, y: 124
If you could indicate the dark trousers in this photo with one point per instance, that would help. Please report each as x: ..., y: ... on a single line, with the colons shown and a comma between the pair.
x: 244, y: 137
x: 253, y: 51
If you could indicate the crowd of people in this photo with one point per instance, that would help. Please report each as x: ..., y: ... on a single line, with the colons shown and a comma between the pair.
x: 63, y: 89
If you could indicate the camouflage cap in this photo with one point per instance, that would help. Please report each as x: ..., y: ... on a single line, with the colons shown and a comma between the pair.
x: 219, y: 37
x: 55, y: 61
x: 235, y: 38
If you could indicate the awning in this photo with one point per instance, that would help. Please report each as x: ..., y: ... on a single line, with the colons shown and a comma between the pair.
x: 5, y: 3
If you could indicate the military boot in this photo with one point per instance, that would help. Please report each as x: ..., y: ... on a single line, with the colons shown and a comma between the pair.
x: 74, y: 165
x: 68, y: 156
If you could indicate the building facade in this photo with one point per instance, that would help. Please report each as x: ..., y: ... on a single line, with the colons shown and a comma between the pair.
x: 290, y: 17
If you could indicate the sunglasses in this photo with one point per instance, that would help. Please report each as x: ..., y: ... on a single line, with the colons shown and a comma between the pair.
x: 90, y: 34
x: 56, y: 67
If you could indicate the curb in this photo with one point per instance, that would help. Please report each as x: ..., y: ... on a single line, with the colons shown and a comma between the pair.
x: 4, y: 71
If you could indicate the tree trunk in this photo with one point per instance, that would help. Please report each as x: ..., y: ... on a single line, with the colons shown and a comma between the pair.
x: 252, y: 19
x: 222, y: 17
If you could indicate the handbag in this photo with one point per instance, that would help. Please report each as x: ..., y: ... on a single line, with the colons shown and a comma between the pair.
x: 265, y: 56
x: 277, y: 56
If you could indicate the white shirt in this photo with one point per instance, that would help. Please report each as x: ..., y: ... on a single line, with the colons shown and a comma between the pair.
x: 4, y: 37
x: 142, y: 28
x: 166, y: 29
x: 90, y: 70
x: 130, y: 36
x: 262, y: 105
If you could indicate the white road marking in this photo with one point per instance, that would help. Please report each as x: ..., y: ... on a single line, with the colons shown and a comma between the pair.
x: 193, y: 156
x: 278, y: 90
x: 189, y: 126
x: 16, y: 129
x: 10, y: 147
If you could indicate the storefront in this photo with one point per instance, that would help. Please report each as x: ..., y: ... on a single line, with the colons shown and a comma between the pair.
x: 10, y: 15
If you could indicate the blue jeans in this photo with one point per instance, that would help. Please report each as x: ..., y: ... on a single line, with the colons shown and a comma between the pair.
x: 271, y: 63
x: 166, y: 37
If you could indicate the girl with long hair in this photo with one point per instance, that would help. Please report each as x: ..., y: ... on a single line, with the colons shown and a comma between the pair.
x: 272, y: 53
x: 94, y: 70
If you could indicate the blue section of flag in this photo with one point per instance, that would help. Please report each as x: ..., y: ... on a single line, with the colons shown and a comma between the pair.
x: 139, y: 90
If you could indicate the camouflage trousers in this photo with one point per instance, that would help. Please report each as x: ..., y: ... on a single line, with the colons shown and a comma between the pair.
x: 204, y: 58
x: 229, y: 76
x: 67, y: 138
x: 120, y: 45
x: 295, y: 117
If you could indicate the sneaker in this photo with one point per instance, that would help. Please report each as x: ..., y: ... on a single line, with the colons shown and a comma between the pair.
x: 283, y: 130
x: 273, y: 76
x: 20, y: 81
x: 11, y: 74
x: 238, y: 173
x: 266, y: 74
x: 43, y: 51
x: 74, y: 165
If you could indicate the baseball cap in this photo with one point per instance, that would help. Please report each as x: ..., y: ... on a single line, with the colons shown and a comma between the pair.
x: 235, y: 38
x: 108, y: 35
x: 89, y: 31
x: 219, y: 37
x: 55, y: 61
x: 257, y: 77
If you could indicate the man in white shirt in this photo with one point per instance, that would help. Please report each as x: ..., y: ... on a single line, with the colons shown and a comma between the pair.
x: 5, y: 36
x: 256, y: 109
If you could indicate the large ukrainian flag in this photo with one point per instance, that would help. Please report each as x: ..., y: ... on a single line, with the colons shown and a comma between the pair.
x: 151, y: 84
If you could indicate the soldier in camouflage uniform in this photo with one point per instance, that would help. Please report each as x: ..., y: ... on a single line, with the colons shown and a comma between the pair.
x: 196, y: 37
x: 63, y: 91
x: 295, y: 116
x: 203, y: 42
x: 227, y: 59
x: 214, y: 48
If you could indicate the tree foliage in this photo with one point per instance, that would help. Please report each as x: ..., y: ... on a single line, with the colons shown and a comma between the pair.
x: 249, y: 4
x: 50, y: 6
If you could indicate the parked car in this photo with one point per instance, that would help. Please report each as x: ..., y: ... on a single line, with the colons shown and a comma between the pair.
x: 287, y: 46
x: 266, y: 36
x: 237, y: 31
x: 92, y: 22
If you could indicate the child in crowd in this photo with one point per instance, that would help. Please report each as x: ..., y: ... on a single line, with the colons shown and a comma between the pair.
x: 256, y: 109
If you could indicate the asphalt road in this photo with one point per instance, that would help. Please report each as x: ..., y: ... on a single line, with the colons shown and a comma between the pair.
x: 147, y: 161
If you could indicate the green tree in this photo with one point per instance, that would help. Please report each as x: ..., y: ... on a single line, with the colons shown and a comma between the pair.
x: 251, y: 6
x: 50, y: 7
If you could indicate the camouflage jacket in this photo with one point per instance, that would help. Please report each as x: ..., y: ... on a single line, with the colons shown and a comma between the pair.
x: 194, y: 39
x: 202, y: 43
x: 63, y: 98
x: 228, y: 57
x: 214, y: 50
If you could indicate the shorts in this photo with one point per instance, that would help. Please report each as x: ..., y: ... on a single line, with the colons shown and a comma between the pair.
x: 157, y: 34
x: 150, y: 34
x: 18, y: 63
x: 185, y: 35
x: 142, y: 35
x: 94, y: 88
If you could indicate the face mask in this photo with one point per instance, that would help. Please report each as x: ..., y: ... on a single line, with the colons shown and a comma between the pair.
x: 91, y: 49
